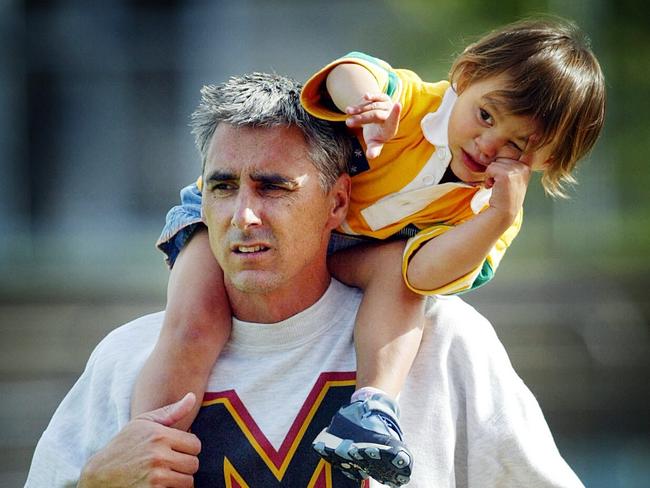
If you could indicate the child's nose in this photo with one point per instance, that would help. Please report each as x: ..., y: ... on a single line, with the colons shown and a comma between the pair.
x: 488, y: 147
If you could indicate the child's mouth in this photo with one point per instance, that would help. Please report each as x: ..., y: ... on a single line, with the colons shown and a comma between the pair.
x: 472, y: 164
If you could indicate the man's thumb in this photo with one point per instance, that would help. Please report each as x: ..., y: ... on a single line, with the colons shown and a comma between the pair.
x: 172, y: 413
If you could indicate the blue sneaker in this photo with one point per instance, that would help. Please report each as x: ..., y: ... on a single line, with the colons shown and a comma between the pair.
x: 365, y: 440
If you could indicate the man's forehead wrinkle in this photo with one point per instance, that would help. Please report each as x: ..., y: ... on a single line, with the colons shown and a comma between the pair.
x: 271, y: 155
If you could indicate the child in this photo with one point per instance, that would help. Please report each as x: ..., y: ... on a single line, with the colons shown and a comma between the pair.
x: 449, y: 165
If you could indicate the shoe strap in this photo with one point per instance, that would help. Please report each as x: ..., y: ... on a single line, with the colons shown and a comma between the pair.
x: 386, y: 409
x: 383, y: 403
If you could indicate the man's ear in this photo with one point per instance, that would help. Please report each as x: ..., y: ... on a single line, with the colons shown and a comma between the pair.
x: 340, y: 200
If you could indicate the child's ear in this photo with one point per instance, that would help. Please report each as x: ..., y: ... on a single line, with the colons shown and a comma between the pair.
x: 545, y: 157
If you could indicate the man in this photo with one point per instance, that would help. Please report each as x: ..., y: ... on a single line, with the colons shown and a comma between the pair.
x: 289, y: 363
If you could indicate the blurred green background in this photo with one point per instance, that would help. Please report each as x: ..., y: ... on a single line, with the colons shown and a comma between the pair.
x: 94, y: 146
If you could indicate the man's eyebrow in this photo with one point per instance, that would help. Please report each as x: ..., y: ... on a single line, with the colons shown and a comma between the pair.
x: 275, y: 179
x: 221, y: 175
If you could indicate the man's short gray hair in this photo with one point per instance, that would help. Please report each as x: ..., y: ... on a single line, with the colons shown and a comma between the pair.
x: 270, y: 100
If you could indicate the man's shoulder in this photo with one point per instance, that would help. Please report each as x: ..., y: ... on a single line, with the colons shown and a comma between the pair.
x: 455, y: 313
x: 129, y: 340
x: 454, y: 324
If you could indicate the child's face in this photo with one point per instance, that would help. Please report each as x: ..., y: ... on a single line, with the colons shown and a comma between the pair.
x: 481, y: 131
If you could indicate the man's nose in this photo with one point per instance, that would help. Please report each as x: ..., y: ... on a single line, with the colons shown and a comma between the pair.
x: 246, y: 212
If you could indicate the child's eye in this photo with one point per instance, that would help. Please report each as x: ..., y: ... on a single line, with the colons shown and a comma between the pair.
x: 485, y: 116
x: 516, y: 146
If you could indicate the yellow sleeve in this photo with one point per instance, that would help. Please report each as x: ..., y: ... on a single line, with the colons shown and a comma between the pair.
x: 316, y: 101
x: 476, y: 277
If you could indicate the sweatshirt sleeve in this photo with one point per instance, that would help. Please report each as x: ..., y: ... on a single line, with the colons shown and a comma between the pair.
x: 509, y: 443
x: 70, y: 438
x: 95, y: 409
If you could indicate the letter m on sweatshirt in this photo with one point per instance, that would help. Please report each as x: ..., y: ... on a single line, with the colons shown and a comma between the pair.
x: 236, y: 453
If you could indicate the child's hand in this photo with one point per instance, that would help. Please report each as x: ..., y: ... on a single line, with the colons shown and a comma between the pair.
x: 378, y: 115
x: 509, y: 180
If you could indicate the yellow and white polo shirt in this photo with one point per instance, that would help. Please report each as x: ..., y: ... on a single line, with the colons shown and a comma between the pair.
x: 401, y: 186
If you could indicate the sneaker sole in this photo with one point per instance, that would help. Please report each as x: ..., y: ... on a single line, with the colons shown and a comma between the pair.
x: 360, y: 460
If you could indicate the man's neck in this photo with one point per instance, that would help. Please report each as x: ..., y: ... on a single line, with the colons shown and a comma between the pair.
x: 279, y: 304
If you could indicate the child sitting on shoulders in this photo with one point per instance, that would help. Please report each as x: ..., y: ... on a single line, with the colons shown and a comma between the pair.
x: 436, y: 201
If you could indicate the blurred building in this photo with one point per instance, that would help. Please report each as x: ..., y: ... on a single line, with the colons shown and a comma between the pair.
x: 94, y: 145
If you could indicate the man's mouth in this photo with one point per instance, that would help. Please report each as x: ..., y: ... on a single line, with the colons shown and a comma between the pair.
x: 242, y: 249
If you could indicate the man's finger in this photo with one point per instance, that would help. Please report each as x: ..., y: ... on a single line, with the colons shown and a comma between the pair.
x: 170, y: 414
x: 184, y: 463
x: 178, y: 480
x: 185, y: 442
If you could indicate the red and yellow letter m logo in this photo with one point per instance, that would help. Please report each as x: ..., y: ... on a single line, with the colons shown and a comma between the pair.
x: 236, y: 454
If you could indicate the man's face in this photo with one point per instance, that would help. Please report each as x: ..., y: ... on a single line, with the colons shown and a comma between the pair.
x: 267, y: 216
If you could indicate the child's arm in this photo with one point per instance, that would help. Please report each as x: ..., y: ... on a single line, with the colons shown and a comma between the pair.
x: 355, y: 91
x: 347, y: 83
x: 463, y: 248
x: 196, y: 326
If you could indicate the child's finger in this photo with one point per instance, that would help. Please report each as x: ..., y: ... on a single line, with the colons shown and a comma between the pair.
x: 376, y: 97
x: 371, y: 101
x: 392, y: 121
x: 369, y: 106
x: 505, y: 167
x: 528, y: 152
x: 373, y: 150
x: 372, y: 117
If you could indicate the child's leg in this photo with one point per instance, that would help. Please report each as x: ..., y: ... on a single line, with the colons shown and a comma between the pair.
x: 388, y: 330
x: 196, y: 326
x: 389, y: 323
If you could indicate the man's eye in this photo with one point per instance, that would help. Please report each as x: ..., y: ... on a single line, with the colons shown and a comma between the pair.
x: 516, y: 146
x: 223, y: 187
x: 485, y: 116
x: 272, y: 187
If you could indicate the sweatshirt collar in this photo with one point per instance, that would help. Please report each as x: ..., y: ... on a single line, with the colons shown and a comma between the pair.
x: 328, y: 311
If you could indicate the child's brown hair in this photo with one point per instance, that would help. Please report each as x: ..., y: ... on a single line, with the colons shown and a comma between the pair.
x: 554, y: 78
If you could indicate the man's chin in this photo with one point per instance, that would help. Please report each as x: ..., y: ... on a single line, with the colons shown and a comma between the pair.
x: 254, y: 282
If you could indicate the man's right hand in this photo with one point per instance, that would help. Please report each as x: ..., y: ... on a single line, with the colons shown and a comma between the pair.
x: 148, y: 452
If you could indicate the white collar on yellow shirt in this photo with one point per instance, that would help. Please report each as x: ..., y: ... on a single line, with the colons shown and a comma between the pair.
x: 424, y: 188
